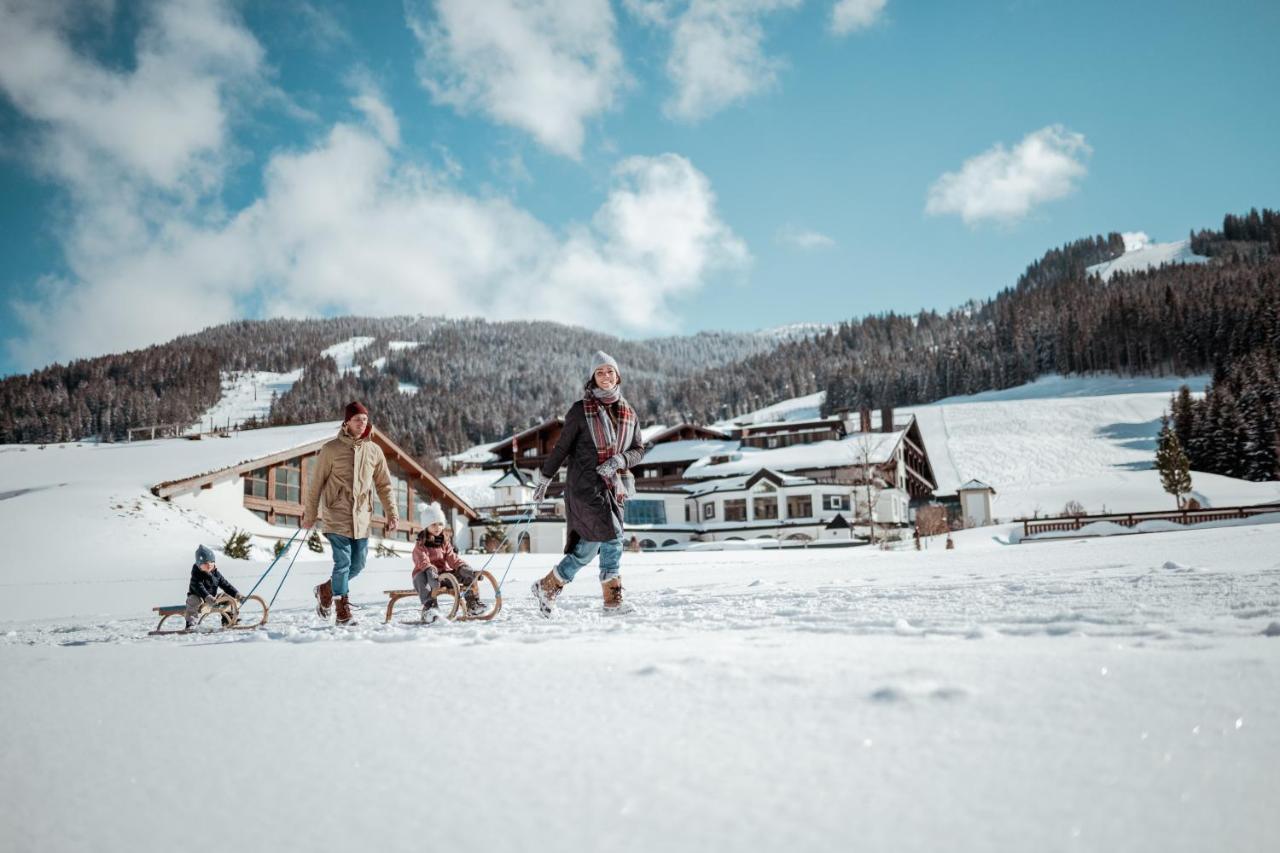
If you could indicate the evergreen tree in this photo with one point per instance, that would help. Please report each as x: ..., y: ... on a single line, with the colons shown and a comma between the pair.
x: 1172, y: 463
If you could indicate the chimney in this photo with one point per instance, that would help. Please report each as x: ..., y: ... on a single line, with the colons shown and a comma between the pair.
x: 886, y: 419
x: 865, y: 415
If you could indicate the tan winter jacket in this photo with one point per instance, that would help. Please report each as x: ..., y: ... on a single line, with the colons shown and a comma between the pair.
x: 346, y: 474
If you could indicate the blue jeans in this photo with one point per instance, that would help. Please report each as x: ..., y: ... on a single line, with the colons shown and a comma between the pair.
x: 584, y: 552
x: 348, y: 559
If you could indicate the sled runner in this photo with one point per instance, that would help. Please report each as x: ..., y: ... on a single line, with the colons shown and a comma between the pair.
x: 227, y: 609
x: 449, y: 586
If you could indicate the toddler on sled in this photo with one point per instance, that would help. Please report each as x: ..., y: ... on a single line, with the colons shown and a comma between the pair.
x: 209, y: 590
x: 433, y: 555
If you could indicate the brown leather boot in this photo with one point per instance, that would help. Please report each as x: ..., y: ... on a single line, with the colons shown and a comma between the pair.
x: 324, y: 599
x: 343, y: 606
x: 545, y: 591
x: 613, y: 603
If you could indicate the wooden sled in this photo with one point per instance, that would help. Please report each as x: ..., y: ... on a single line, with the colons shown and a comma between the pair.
x: 226, y: 608
x: 449, y: 586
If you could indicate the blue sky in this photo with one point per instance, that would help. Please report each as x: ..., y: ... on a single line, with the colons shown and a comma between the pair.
x: 643, y: 167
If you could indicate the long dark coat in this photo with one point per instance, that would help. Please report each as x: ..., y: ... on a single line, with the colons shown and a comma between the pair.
x: 591, y: 510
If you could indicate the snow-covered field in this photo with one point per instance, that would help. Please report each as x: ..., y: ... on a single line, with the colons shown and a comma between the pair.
x: 1117, y: 694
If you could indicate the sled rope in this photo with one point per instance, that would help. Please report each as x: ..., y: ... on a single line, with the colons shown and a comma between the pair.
x: 287, y: 569
x: 273, y: 563
x: 528, y: 519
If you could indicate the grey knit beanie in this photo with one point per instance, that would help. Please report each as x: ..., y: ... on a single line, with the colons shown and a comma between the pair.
x: 599, y: 360
x: 204, y: 554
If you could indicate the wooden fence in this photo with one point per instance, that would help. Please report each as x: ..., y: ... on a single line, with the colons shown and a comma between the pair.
x: 1031, y: 526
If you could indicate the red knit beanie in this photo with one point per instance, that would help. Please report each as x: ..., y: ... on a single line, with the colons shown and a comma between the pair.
x: 355, y: 408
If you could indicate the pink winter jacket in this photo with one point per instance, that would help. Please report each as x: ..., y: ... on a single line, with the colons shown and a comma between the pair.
x: 437, y: 554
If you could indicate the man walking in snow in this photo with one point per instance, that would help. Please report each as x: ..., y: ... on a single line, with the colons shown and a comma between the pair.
x: 601, y: 442
x: 347, y: 471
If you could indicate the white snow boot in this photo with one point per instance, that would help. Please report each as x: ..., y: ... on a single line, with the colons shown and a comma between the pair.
x: 613, y: 603
x: 545, y: 591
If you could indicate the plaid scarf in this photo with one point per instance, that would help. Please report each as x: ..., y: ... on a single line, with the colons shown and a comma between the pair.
x: 610, y: 438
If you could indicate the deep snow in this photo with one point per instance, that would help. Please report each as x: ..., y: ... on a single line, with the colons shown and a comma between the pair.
x: 1113, y: 694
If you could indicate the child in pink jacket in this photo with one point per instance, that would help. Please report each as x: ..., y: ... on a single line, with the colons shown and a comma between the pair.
x: 433, y: 555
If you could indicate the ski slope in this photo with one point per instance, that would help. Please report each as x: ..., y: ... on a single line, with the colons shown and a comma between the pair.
x: 1142, y: 254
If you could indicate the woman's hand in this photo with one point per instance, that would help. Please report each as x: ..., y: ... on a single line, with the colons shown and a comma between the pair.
x: 611, y: 466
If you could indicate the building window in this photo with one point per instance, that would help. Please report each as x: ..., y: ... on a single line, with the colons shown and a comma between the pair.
x: 285, y: 520
x: 529, y: 452
x: 688, y: 514
x: 708, y: 511
x: 800, y: 506
x: 260, y: 513
x: 835, y: 502
x: 289, y: 481
x: 735, y: 510
x: 651, y: 472
x: 764, y: 486
x: 765, y: 508
x: 255, y: 483
x: 401, y: 488
x: 645, y: 512
x: 773, y: 441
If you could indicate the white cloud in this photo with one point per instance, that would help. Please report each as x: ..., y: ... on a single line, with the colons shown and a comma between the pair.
x: 161, y: 124
x: 1004, y: 185
x: 850, y: 15
x: 544, y: 66
x: 343, y: 227
x: 804, y: 238
x: 717, y: 51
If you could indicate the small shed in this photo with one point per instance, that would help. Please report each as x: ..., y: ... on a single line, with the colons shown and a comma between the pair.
x: 975, y: 503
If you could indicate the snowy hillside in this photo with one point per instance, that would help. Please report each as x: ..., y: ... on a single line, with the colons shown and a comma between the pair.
x: 1141, y: 254
x: 1089, y: 439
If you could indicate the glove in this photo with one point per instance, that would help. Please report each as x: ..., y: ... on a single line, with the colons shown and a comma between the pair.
x: 610, y: 466
x: 540, y: 484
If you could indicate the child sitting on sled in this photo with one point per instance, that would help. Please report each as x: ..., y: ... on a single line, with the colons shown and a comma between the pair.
x: 203, y: 591
x: 433, y: 555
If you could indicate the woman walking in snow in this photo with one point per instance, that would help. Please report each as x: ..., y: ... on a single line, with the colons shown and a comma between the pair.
x: 601, y: 443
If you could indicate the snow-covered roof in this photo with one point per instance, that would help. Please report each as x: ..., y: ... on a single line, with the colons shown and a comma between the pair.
x: 688, y: 450
x: 513, y: 477
x: 737, y: 484
x: 478, y: 455
x: 795, y: 409
x: 976, y: 485
x: 647, y: 433
x: 148, y: 463
x: 874, y: 448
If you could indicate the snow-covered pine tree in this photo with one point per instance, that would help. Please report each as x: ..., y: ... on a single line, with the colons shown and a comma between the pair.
x: 1172, y: 462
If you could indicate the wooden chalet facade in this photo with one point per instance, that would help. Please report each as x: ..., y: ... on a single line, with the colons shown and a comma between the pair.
x: 275, y: 486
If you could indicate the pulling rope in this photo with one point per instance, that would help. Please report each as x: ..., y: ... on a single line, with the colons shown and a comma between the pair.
x: 528, y: 519
x: 287, y: 570
x: 519, y: 530
x: 276, y: 560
